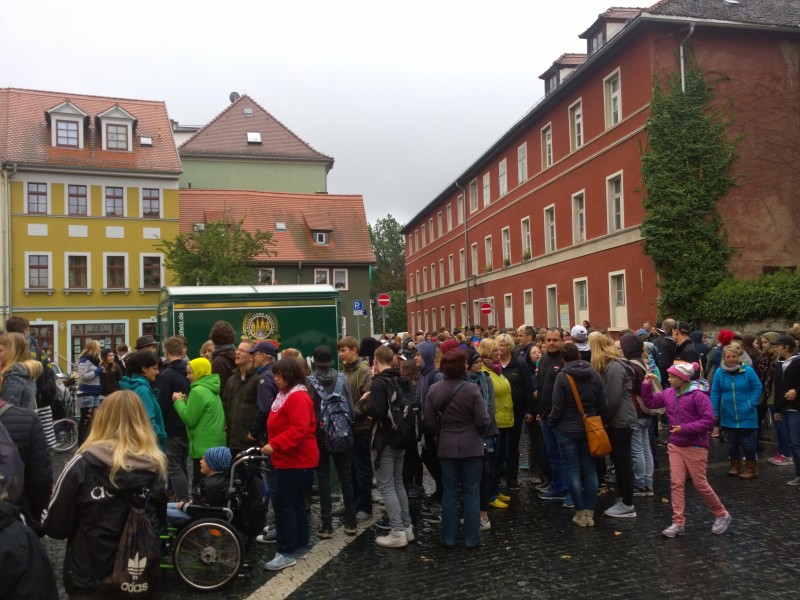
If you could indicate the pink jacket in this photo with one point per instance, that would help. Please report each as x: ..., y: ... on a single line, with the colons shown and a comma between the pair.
x: 691, y: 410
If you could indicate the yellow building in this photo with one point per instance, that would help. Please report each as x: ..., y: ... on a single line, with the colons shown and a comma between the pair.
x: 88, y: 187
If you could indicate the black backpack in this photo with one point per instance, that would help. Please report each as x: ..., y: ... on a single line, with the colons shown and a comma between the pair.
x: 335, y: 416
x: 403, y: 412
x: 12, y: 468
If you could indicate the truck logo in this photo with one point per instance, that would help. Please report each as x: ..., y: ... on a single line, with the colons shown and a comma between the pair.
x: 260, y: 326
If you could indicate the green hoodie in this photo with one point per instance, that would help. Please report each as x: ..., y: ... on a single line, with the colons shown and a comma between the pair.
x: 203, y: 416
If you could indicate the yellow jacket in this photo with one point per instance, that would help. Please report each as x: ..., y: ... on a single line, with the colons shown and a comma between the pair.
x: 503, y: 404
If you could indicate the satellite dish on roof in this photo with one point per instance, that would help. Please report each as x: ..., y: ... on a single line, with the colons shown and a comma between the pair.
x: 234, y: 97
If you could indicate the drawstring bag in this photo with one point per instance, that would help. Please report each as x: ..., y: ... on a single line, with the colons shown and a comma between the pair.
x: 596, y: 436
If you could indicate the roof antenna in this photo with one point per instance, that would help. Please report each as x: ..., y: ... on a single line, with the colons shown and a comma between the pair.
x: 234, y: 97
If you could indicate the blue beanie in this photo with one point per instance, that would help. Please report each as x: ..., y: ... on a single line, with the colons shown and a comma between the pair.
x: 218, y: 458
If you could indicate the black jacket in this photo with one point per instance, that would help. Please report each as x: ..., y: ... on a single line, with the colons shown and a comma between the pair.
x: 265, y: 396
x: 521, y: 389
x: 172, y: 379
x: 565, y: 415
x: 549, y: 367
x: 787, y: 377
x: 90, y: 512
x: 24, y: 428
x: 27, y: 573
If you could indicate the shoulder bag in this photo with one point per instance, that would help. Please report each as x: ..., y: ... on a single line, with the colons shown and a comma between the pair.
x: 596, y: 435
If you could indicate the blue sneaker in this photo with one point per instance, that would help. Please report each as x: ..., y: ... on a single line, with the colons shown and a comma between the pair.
x: 280, y: 561
x: 552, y: 495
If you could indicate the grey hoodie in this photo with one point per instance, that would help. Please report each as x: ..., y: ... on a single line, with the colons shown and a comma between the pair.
x: 619, y: 384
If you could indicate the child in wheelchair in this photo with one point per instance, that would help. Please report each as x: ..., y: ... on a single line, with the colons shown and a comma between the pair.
x: 212, y: 489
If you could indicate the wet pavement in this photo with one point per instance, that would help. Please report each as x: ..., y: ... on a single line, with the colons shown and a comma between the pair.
x: 534, y: 551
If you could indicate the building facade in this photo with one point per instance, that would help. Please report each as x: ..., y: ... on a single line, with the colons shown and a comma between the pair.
x: 545, y: 225
x: 89, y: 186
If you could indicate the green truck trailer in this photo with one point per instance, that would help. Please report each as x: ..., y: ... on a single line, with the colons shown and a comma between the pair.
x: 289, y: 316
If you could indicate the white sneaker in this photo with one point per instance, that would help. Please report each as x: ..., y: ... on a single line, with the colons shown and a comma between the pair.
x: 673, y: 531
x: 409, y: 531
x: 721, y: 524
x: 394, y: 539
x: 621, y: 510
x: 486, y: 525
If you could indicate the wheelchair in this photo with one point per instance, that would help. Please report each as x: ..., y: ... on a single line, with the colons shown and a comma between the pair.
x: 208, y: 550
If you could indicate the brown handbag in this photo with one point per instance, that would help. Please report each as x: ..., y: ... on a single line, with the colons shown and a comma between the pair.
x: 596, y: 435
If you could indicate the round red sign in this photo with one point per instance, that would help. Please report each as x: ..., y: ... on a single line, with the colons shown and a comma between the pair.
x: 383, y: 300
x: 486, y: 308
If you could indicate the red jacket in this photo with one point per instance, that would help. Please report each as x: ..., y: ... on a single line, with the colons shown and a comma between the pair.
x: 292, y: 430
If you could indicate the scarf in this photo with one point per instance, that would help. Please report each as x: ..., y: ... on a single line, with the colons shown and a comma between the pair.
x: 494, y: 366
x: 482, y: 381
x: 737, y: 368
x: 282, y: 396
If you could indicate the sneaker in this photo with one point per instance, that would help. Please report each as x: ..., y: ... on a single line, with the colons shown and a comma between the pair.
x: 337, y: 510
x: 794, y: 481
x: 544, y: 486
x: 639, y: 492
x: 568, y: 503
x: 780, y: 460
x: 394, y: 539
x: 270, y: 537
x: 325, y: 532
x: 350, y: 529
x: 536, y: 480
x: 673, y: 531
x: 300, y: 553
x: 649, y: 491
x: 383, y: 523
x: 431, y: 510
x: 497, y: 503
x: 363, y: 516
x: 513, y: 486
x: 486, y: 525
x: 552, y: 495
x: 416, y: 492
x: 409, y: 531
x: 281, y: 561
x: 721, y: 524
x: 503, y: 497
x: 376, y: 497
x: 621, y: 510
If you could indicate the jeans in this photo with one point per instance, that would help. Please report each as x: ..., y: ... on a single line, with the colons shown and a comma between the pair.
x: 741, y: 439
x: 781, y: 434
x: 362, y: 472
x: 289, y: 503
x: 792, y: 420
x: 579, y: 468
x: 512, y: 468
x: 390, y: 485
x: 620, y: 438
x: 342, y: 463
x: 468, y: 472
x: 558, y: 481
x: 642, y: 455
x: 177, y: 456
x: 500, y: 460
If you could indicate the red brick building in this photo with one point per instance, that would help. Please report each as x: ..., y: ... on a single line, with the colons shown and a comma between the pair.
x: 545, y: 224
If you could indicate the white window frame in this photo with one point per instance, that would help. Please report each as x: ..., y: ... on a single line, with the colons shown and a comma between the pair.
x: 431, y: 230
x: 419, y: 284
x: 55, y: 118
x: 502, y: 175
x: 473, y: 249
x: 611, y: 197
x: 105, y: 197
x: 416, y: 240
x: 119, y: 123
x: 411, y: 285
x: 453, y: 317
x: 144, y: 255
x: 462, y: 264
x: 460, y: 209
x: 505, y: 242
x: 449, y: 216
x: 424, y: 279
x: 527, y: 314
x: 464, y: 315
x: 451, y: 269
x: 613, y: 299
x: 425, y: 313
x: 486, y: 189
x: 88, y: 257
x: 433, y: 320
x: 487, y: 253
x: 439, y: 224
x: 525, y: 236
x: 522, y: 163
x: 47, y: 192
x: 473, y: 196
x: 49, y: 256
x: 424, y: 240
x: 579, y: 217
x: 127, y: 282
x: 576, y: 133
x: 321, y: 272
x: 346, y: 286
x: 441, y: 273
x: 88, y: 199
x: 579, y: 311
x: 410, y: 243
x: 552, y: 308
x: 262, y: 271
x: 547, y: 146
x: 433, y: 276
x: 612, y: 98
x: 550, y: 241
x: 322, y: 238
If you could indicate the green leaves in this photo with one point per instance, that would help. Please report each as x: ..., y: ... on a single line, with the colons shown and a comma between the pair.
x: 220, y: 254
x: 768, y: 296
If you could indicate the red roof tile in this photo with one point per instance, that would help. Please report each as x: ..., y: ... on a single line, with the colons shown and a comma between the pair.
x: 25, y: 135
x: 349, y: 237
x: 226, y: 135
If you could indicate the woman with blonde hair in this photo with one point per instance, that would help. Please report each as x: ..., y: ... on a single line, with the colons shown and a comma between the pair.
x: 207, y: 349
x: 620, y: 418
x: 90, y: 388
x: 118, y: 467
x: 18, y: 371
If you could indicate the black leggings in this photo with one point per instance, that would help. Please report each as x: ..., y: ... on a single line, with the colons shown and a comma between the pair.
x: 620, y: 439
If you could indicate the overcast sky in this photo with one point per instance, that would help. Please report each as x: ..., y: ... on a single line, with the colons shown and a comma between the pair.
x: 404, y: 96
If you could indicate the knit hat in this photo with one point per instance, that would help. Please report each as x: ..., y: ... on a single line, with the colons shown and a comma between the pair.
x: 683, y: 370
x: 725, y: 337
x: 200, y: 367
x: 218, y: 458
x: 448, y: 345
x: 770, y: 336
x: 472, y: 356
x: 631, y: 346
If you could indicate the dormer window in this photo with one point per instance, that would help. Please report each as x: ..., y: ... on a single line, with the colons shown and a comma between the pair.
x: 321, y: 238
x: 596, y: 41
x: 253, y: 137
x: 116, y: 126
x: 67, y: 123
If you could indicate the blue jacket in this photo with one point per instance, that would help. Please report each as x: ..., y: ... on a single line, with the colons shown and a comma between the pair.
x: 139, y: 385
x: 735, y: 397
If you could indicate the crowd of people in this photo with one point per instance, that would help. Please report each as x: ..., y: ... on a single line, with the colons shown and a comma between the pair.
x: 474, y: 395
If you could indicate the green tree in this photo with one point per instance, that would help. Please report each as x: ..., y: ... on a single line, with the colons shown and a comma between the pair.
x: 396, y: 313
x: 686, y: 169
x: 390, y: 257
x: 222, y: 253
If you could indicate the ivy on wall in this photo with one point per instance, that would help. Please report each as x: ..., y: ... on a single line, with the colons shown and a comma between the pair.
x: 768, y: 296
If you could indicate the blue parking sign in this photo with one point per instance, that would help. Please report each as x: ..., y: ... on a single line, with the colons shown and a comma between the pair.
x: 358, y: 305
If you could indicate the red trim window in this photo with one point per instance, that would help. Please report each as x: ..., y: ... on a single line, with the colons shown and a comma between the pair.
x: 151, y: 272
x: 116, y: 137
x: 37, y: 198
x: 115, y: 272
x: 38, y: 271
x: 115, y: 204
x: 67, y: 134
x: 151, y: 203
x: 76, y: 200
x: 78, y: 272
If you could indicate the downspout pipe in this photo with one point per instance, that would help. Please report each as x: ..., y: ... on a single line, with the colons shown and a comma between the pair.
x: 5, y: 236
x: 466, y: 248
x: 683, y: 68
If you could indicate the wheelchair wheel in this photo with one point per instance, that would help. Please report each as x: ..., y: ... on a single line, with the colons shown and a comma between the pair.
x: 66, y: 431
x: 208, y: 554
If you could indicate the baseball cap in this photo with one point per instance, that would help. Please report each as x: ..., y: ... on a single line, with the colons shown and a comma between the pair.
x: 322, y: 356
x: 785, y: 340
x: 684, y: 327
x: 267, y: 348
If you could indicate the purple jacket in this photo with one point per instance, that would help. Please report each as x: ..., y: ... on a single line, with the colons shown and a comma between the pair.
x: 691, y: 410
